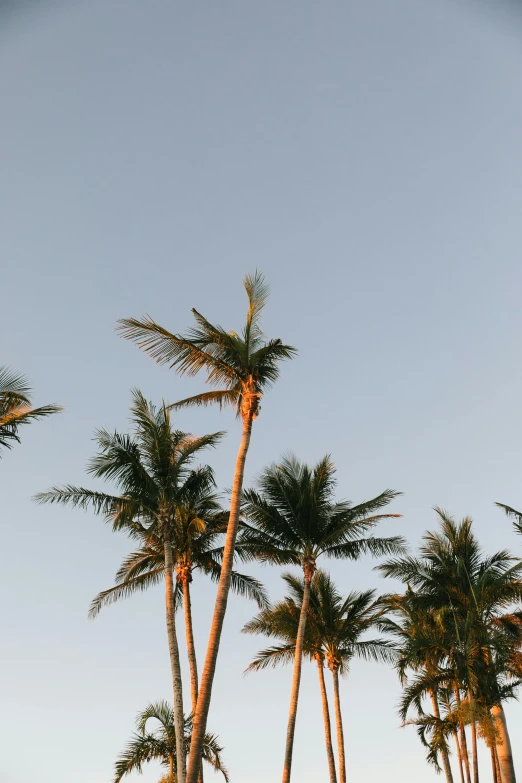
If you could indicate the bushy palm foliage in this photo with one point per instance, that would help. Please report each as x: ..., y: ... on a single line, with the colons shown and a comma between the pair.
x: 243, y: 364
x: 15, y: 407
x: 159, y: 744
x: 239, y: 367
x: 462, y: 609
x: 293, y: 518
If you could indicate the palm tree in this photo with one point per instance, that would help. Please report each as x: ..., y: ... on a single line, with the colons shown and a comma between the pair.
x: 161, y: 745
x: 242, y: 366
x: 293, y: 519
x: 281, y: 621
x: 15, y: 407
x: 470, y: 594
x: 421, y: 647
x: 153, y: 471
x: 194, y: 542
x: 333, y: 634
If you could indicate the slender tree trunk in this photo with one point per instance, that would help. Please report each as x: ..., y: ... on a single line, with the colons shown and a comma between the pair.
x: 474, y: 752
x: 191, y: 648
x: 494, y: 765
x: 459, y: 757
x: 444, y: 753
x: 220, y: 607
x: 505, y: 755
x: 296, y: 679
x: 497, y: 764
x: 463, y: 741
x: 327, y: 726
x: 339, y: 725
x: 179, y: 719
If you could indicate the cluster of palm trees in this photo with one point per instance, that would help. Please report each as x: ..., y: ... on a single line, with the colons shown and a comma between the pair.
x: 454, y: 634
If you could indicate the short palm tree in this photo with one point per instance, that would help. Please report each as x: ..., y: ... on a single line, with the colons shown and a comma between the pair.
x: 242, y: 367
x: 293, y: 519
x: 471, y: 594
x: 15, y: 407
x: 195, y: 541
x: 153, y: 471
x: 159, y: 744
x: 334, y: 630
x: 281, y: 621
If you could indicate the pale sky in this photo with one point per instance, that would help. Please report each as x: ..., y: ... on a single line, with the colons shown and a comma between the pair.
x: 367, y: 156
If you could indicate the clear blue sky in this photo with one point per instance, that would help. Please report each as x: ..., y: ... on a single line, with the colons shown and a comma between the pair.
x: 367, y: 156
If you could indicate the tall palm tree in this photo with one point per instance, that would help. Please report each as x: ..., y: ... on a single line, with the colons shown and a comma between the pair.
x: 15, y: 407
x: 242, y: 366
x: 334, y: 630
x: 471, y: 593
x: 159, y: 744
x: 153, y: 471
x: 293, y: 519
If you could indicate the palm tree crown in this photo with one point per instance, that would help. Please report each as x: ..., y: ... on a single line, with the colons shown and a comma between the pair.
x: 15, y: 407
x: 293, y: 518
x: 243, y: 364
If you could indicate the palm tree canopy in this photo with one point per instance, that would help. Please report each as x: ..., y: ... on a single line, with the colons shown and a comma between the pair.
x: 243, y: 365
x: 15, y: 407
x: 334, y: 629
x: 159, y: 743
x: 470, y: 631
x: 293, y: 518
x: 162, y: 494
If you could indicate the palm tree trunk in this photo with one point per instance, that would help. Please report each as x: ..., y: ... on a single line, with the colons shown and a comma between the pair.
x: 191, y: 647
x: 296, y: 679
x: 339, y: 724
x: 445, y: 757
x: 494, y: 765
x: 474, y: 752
x: 179, y: 720
x: 505, y: 755
x: 463, y: 741
x: 327, y: 726
x: 220, y: 607
x: 459, y: 757
x: 497, y: 764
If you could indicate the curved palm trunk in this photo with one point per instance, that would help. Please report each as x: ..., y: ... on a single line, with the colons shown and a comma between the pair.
x: 327, y: 726
x: 444, y: 753
x: 179, y: 720
x: 339, y: 724
x: 220, y: 607
x: 505, y: 755
x: 474, y: 752
x: 459, y: 757
x: 296, y: 680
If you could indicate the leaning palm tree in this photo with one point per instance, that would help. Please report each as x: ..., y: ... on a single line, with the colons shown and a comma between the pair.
x: 293, y: 519
x: 153, y: 471
x: 15, y: 407
x: 334, y: 630
x: 160, y: 744
x: 241, y: 366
